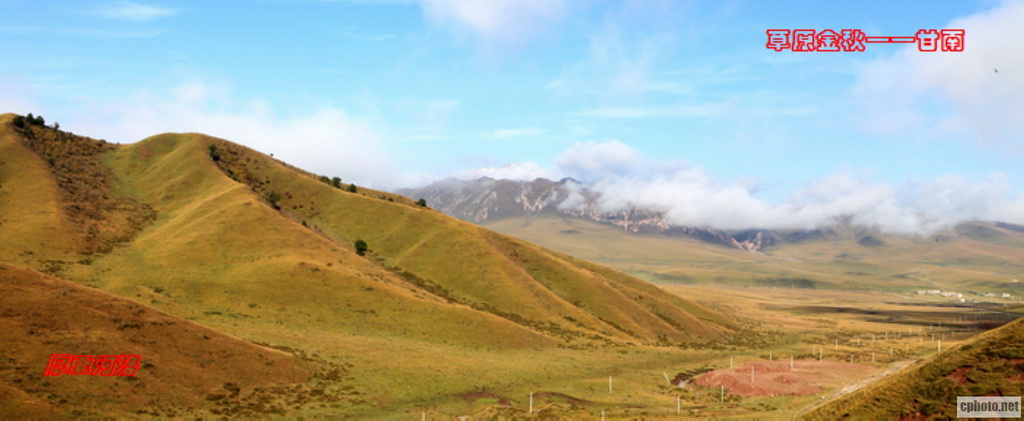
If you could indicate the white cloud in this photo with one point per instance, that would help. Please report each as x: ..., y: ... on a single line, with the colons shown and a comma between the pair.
x: 700, y: 110
x: 592, y: 160
x: 131, y: 11
x: 976, y: 92
x: 327, y: 141
x: 517, y: 133
x: 98, y: 33
x: 516, y: 171
x: 627, y: 56
x: 496, y: 22
x: 690, y: 196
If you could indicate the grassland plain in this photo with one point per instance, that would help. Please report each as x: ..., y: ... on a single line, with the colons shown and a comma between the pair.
x: 973, y: 256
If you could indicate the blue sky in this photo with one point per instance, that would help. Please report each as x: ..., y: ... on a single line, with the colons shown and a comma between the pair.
x: 658, y: 103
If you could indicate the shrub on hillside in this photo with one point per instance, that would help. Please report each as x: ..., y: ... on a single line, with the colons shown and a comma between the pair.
x: 37, y: 120
x: 422, y: 202
x: 352, y: 188
x: 361, y: 247
x: 273, y: 198
x: 336, y: 182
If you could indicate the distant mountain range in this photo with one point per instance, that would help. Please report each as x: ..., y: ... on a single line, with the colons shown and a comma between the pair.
x: 486, y: 199
x: 565, y: 216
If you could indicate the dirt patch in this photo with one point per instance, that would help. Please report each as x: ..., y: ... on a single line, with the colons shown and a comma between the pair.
x: 774, y: 378
x: 475, y: 396
x: 917, y: 416
x: 554, y: 397
x: 959, y: 376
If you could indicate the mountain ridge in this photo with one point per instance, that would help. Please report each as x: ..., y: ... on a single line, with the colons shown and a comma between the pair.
x: 485, y: 200
x: 221, y: 235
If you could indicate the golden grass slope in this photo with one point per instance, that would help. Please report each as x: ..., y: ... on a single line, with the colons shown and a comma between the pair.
x: 217, y: 250
x: 32, y: 226
x: 183, y: 363
x: 991, y: 364
x: 436, y: 309
x: 468, y: 264
x: 217, y: 247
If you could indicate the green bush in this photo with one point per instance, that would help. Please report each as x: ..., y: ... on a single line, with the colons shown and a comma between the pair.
x: 352, y: 188
x: 361, y: 247
x: 336, y: 182
x: 422, y: 202
x: 273, y: 198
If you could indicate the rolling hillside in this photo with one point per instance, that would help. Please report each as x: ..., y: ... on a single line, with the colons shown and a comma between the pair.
x: 186, y: 366
x: 991, y: 364
x: 218, y: 234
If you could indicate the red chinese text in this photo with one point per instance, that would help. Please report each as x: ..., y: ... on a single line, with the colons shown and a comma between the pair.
x: 93, y: 365
x: 807, y: 40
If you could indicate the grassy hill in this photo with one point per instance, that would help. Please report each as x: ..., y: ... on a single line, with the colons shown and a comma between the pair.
x: 973, y: 256
x: 187, y: 367
x: 991, y: 364
x: 223, y: 236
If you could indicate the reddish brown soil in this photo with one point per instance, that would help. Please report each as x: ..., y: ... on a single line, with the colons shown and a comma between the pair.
x: 917, y: 416
x: 959, y: 375
x: 773, y: 378
x: 184, y: 364
x: 473, y: 397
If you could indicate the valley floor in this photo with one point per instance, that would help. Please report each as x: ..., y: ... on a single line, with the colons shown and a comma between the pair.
x: 839, y: 341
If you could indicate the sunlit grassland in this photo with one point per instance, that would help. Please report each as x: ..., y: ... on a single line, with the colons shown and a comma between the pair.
x: 447, y: 318
x: 219, y: 255
x: 31, y: 228
x: 879, y: 328
x: 956, y: 260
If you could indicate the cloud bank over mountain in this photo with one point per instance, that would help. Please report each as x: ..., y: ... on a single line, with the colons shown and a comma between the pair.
x: 691, y: 196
